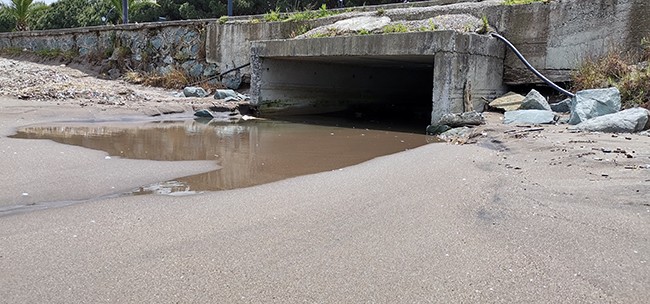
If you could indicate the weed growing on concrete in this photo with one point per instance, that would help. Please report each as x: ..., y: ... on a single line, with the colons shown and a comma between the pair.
x: 363, y: 32
x: 485, y: 27
x: 516, y: 2
x: 309, y: 15
x: 331, y: 32
x: 645, y: 49
x: 273, y: 16
x: 301, y: 29
x: 380, y: 12
x: 432, y: 26
x: 222, y: 19
x: 621, y: 70
x: 395, y: 28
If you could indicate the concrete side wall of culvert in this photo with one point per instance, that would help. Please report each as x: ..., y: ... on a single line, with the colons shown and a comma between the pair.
x: 440, y: 69
x: 294, y: 86
x: 555, y: 37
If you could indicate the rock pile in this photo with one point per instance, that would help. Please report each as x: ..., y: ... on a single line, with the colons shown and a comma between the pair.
x: 595, y: 110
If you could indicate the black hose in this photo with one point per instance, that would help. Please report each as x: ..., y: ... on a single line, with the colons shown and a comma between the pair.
x: 531, y: 68
x: 235, y: 69
x: 221, y: 74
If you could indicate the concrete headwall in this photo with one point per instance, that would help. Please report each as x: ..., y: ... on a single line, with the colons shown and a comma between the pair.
x: 444, y: 70
x: 555, y: 37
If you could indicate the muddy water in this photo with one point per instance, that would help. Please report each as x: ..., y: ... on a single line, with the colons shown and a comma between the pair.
x: 248, y: 152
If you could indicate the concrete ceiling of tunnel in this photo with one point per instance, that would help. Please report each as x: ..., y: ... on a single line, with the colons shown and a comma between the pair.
x: 412, y: 62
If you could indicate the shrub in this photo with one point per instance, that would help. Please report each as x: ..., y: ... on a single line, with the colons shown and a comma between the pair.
x: 395, y: 28
x: 517, y: 2
x: 617, y: 69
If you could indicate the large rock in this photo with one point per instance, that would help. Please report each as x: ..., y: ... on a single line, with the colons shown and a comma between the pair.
x: 588, y: 104
x: 534, y: 101
x: 562, y: 106
x: 351, y: 25
x: 229, y: 95
x: 437, y: 129
x: 458, y: 135
x: 194, y: 92
x: 508, y: 102
x: 626, y: 121
x: 232, y: 80
x: 463, y: 119
x: 529, y: 117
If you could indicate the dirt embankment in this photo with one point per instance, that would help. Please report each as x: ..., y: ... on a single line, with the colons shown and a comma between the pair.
x: 61, y: 84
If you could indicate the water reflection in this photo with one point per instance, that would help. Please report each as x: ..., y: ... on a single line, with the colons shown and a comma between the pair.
x: 249, y: 152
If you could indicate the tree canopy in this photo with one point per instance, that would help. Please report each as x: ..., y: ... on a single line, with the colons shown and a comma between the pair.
x: 28, y: 15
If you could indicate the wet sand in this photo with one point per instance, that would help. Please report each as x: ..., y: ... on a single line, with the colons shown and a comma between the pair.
x: 528, y: 217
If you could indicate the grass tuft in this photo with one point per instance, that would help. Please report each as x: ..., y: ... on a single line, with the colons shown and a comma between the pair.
x: 517, y: 2
x: 630, y: 73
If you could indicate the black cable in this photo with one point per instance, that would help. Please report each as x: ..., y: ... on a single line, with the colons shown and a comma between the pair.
x: 531, y: 68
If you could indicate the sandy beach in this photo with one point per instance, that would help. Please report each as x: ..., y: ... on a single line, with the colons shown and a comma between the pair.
x: 521, y: 216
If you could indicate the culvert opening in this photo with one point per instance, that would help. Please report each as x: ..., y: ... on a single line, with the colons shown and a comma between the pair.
x: 395, y: 90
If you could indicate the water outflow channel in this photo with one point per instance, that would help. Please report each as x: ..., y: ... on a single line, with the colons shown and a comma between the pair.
x: 249, y: 152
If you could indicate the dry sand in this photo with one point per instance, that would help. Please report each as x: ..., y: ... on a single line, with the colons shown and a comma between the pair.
x: 544, y: 217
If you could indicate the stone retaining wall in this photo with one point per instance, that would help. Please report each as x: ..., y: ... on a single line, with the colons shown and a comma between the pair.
x: 150, y: 47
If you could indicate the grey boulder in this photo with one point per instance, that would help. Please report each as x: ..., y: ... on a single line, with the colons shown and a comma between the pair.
x: 194, y: 92
x: 529, y: 117
x: 626, y: 121
x: 534, y: 101
x: 462, y: 119
x: 508, y: 102
x: 229, y: 95
x: 588, y: 104
x: 562, y: 106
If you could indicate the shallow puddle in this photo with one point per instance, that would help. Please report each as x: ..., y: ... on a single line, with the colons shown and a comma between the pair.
x: 249, y: 152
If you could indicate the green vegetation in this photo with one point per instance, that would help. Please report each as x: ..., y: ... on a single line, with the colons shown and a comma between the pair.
x: 331, y: 32
x: 11, y: 51
x: 301, y: 29
x: 297, y: 16
x: 363, y: 32
x: 29, y: 15
x: 630, y: 73
x: 20, y: 10
x: 68, y: 55
x: 516, y: 2
x: 273, y: 15
x: 485, y: 27
x: 222, y: 19
x: 395, y: 28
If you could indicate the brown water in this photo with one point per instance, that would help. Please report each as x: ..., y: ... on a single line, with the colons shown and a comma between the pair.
x: 249, y: 152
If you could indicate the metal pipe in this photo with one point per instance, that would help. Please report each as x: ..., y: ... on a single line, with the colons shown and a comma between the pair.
x: 125, y: 11
x: 531, y: 68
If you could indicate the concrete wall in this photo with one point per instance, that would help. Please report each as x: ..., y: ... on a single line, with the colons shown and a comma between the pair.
x: 151, y: 47
x: 316, y: 75
x: 555, y: 37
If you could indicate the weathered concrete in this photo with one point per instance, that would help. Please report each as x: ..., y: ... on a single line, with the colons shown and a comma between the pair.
x: 152, y: 47
x: 555, y: 37
x: 326, y: 74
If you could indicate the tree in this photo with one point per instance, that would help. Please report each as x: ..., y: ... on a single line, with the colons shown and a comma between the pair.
x: 133, y: 5
x: 20, y: 10
x: 7, y: 21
